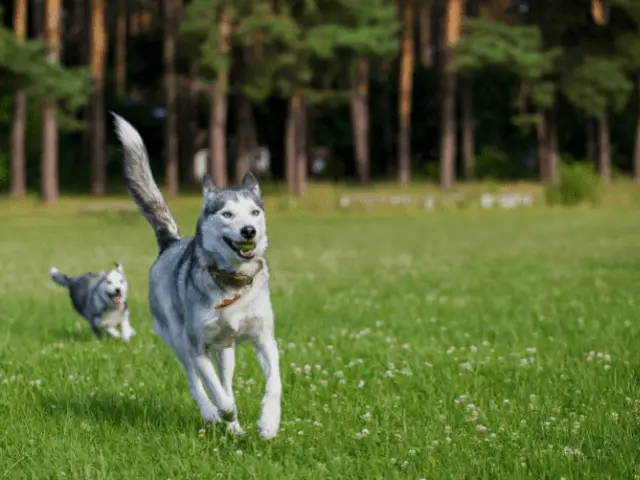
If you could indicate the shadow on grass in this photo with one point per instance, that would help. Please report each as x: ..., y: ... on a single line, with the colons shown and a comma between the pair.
x: 112, y: 409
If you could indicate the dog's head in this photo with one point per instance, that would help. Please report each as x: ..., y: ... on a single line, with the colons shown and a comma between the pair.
x: 115, y: 284
x: 232, y: 224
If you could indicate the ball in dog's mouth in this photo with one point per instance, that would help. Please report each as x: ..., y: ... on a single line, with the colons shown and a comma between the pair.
x: 242, y: 249
x: 117, y: 299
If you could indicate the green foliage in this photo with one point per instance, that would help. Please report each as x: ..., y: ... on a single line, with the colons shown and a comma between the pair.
x: 304, y: 47
x: 23, y: 64
x: 579, y: 183
x: 596, y: 85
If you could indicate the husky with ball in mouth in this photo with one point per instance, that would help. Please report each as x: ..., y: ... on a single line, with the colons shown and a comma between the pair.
x: 210, y: 291
x: 101, y: 298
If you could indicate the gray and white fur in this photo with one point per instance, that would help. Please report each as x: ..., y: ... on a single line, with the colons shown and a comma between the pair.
x: 210, y: 291
x: 101, y: 298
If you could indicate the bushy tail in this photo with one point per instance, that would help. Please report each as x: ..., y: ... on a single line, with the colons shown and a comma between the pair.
x: 142, y: 187
x: 59, y: 278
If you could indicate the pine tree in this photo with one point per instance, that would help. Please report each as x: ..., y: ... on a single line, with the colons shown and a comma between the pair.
x: 170, y: 91
x: 18, y: 184
x: 98, y: 59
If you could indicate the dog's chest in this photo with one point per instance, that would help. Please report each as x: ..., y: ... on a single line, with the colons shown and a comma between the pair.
x: 112, y: 318
x: 228, y: 326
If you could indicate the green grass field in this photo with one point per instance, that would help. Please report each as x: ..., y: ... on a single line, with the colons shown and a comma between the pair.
x: 446, y: 345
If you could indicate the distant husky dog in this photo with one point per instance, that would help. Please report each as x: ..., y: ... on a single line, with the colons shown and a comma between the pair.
x: 101, y: 298
x: 210, y: 291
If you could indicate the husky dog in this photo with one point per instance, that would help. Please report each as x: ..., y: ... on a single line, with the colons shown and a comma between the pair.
x: 101, y: 299
x: 210, y: 291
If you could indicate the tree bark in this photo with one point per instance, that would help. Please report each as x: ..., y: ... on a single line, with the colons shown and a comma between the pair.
x: 468, y: 127
x: 98, y: 54
x: 291, y: 142
x: 49, y: 167
x: 598, y: 12
x: 406, y: 91
x: 360, y: 120
x: 247, y: 136
x: 387, y: 129
x: 636, y: 149
x: 121, y: 48
x: 424, y: 21
x: 604, y: 149
x: 301, y: 146
x: 448, y: 88
x: 543, y: 146
x: 218, y: 137
x: 171, y: 122
x: 553, y: 160
x: 592, y: 144
x: 18, y: 182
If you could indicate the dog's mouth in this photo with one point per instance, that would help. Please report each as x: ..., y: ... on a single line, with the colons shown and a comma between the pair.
x: 117, y: 299
x: 242, y: 249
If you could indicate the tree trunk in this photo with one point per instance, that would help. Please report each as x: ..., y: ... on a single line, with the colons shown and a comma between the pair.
x: 301, y: 147
x: 291, y: 142
x: 636, y: 149
x: 247, y: 136
x: 552, y: 150
x: 424, y: 21
x: 49, y: 167
x: 468, y: 128
x: 171, y: 122
x: 18, y: 185
x: 604, y: 149
x: 592, y: 144
x: 448, y: 95
x: 218, y: 136
x: 387, y: 130
x: 406, y: 90
x: 360, y: 120
x: 121, y: 48
x: 598, y: 12
x: 98, y: 54
x: 543, y: 146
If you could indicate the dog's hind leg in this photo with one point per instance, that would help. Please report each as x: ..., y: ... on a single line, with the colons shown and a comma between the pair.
x: 208, y: 374
x: 208, y: 410
x: 95, y: 327
x: 226, y: 360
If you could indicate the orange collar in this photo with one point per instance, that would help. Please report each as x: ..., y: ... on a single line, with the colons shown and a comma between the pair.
x: 226, y: 302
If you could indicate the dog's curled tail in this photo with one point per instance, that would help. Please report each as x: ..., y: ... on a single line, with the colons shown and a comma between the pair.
x: 141, y: 185
x: 59, y: 278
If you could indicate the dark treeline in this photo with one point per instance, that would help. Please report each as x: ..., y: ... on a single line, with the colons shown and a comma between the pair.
x: 446, y: 90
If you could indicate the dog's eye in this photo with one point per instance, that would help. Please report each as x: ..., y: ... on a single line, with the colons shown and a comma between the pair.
x: 255, y: 212
x: 227, y: 214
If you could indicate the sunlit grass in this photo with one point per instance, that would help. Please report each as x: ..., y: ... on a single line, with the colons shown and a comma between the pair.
x: 466, y: 344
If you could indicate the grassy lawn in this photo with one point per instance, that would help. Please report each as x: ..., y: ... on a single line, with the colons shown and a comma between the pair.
x: 420, y: 345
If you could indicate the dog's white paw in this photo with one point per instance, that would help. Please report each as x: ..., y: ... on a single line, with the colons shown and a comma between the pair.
x: 269, y: 422
x: 234, y: 428
x: 211, y: 415
x: 268, y: 429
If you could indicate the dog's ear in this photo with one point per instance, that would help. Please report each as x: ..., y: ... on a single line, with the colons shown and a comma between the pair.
x: 119, y: 267
x: 250, y: 182
x: 208, y: 187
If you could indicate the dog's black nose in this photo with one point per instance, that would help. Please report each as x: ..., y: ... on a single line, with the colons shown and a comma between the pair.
x: 118, y: 291
x: 248, y: 232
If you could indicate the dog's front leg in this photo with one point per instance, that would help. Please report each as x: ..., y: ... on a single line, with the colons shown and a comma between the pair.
x: 127, y: 329
x: 113, y: 332
x: 208, y: 374
x: 226, y: 365
x: 267, y: 352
